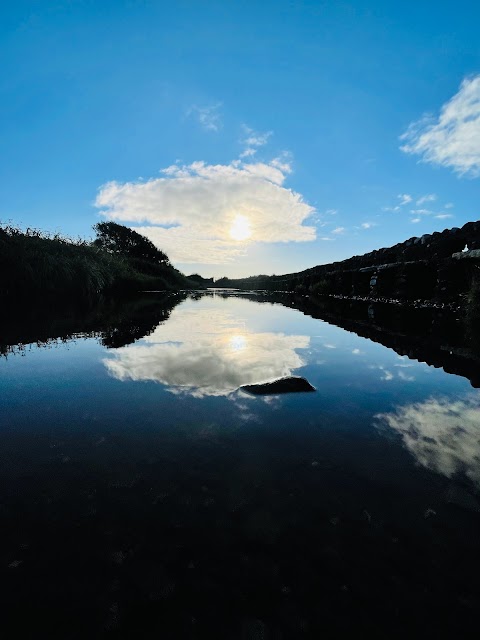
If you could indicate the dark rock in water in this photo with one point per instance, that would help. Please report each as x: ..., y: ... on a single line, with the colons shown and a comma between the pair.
x: 290, y: 384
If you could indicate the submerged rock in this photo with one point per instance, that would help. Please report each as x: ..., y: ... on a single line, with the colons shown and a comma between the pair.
x: 289, y: 384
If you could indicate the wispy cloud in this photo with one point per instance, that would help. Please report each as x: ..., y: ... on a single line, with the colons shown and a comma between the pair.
x: 190, y: 210
x: 392, y: 209
x: 418, y: 212
x: 405, y: 198
x: 253, y: 140
x: 421, y: 212
x: 429, y: 197
x: 209, y: 117
x: 453, y: 138
x: 368, y: 225
x: 338, y: 231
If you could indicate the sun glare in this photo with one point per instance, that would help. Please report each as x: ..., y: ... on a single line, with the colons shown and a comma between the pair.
x: 240, y: 229
x: 238, y: 343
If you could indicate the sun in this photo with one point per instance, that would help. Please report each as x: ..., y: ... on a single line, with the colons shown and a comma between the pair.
x: 240, y: 229
x: 238, y: 343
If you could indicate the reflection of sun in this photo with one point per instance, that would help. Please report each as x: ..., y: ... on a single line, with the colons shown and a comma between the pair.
x: 240, y: 229
x: 238, y: 343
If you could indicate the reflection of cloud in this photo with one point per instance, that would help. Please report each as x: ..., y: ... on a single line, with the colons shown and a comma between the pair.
x: 387, y: 375
x: 207, y: 352
x: 442, y: 435
x: 405, y: 376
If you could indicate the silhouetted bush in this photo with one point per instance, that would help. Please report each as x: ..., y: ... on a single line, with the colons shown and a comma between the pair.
x: 36, y: 263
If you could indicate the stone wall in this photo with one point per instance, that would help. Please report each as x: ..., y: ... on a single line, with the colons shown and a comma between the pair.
x: 431, y: 267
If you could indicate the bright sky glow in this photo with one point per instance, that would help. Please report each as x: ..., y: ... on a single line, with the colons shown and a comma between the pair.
x: 240, y: 229
x: 242, y: 138
x: 238, y: 342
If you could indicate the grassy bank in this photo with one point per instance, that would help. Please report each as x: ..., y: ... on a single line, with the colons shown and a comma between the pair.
x: 33, y: 263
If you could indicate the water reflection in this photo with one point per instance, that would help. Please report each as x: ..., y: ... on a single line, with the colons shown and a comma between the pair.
x: 115, y: 323
x: 224, y: 517
x: 208, y: 352
x: 443, y: 435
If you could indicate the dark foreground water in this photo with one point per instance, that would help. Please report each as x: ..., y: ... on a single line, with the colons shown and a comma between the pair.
x: 143, y: 495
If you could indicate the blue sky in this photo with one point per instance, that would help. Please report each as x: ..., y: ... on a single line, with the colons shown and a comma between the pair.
x: 242, y: 137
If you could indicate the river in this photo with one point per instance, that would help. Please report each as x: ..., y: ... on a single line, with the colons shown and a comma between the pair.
x: 145, y: 494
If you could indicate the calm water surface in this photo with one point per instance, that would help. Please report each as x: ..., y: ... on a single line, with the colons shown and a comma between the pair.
x: 145, y: 495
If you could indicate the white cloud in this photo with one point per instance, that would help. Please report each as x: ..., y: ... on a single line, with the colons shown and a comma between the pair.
x: 404, y: 198
x: 443, y: 216
x: 442, y: 435
x: 190, y: 209
x: 429, y: 197
x: 421, y: 212
x: 209, y: 118
x: 253, y: 140
x: 331, y: 212
x: 415, y: 220
x: 338, y: 231
x: 189, y: 358
x: 453, y: 138
x: 368, y: 225
x: 449, y: 205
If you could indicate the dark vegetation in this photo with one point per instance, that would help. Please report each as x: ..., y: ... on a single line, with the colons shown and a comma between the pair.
x: 200, y: 281
x: 119, y: 261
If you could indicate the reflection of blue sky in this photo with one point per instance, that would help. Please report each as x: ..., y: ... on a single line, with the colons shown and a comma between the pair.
x: 442, y: 434
x: 392, y: 372
x: 208, y: 351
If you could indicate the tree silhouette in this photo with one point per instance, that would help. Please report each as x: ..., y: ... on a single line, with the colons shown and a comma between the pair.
x: 115, y: 238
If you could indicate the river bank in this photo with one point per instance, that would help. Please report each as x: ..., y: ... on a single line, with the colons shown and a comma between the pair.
x: 39, y: 265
